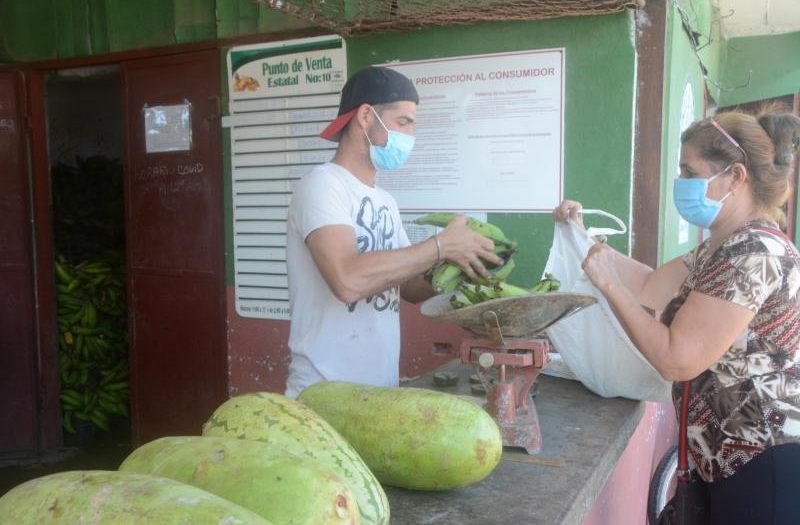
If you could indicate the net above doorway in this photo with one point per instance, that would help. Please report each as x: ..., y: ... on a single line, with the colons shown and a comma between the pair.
x: 365, y: 16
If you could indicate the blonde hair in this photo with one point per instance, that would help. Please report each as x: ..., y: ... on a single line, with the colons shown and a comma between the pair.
x: 769, y: 140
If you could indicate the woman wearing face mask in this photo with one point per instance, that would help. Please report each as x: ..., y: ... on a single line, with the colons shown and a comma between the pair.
x: 730, y: 321
x: 348, y: 257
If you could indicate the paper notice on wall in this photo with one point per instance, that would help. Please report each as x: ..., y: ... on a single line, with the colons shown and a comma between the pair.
x: 489, y: 134
x: 168, y: 128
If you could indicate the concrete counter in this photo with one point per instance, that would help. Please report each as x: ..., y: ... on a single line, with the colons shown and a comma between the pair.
x: 583, y: 437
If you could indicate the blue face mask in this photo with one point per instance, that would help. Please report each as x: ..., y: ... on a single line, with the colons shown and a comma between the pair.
x: 396, y: 151
x: 690, y: 199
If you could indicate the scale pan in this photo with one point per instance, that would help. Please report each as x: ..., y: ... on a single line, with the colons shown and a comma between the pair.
x: 522, y: 316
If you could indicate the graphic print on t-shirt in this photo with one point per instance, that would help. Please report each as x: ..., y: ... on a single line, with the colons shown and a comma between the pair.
x: 376, y: 231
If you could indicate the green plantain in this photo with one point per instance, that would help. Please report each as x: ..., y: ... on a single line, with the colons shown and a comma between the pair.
x: 442, y: 219
x: 497, y: 274
x: 446, y: 277
x: 509, y: 290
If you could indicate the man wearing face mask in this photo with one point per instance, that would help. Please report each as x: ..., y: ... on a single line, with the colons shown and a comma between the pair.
x: 348, y: 256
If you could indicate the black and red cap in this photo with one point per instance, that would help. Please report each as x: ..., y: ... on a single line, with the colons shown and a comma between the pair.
x: 372, y: 85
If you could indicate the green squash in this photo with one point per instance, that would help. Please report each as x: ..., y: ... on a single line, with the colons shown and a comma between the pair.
x: 411, y: 437
x: 281, y: 487
x: 290, y: 426
x: 99, y: 497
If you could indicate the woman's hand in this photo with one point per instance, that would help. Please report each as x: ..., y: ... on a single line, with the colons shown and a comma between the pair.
x: 600, y: 265
x: 569, y: 210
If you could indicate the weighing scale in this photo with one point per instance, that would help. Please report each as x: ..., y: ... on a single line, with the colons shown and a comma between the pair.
x: 509, y: 349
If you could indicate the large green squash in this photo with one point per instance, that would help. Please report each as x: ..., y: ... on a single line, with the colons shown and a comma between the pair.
x: 100, y: 497
x: 411, y: 437
x: 290, y: 426
x: 284, y: 488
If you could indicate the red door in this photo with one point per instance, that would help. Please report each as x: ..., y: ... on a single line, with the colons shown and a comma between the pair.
x: 19, y: 410
x: 175, y: 246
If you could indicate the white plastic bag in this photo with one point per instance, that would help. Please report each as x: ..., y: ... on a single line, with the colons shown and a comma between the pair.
x: 592, y: 343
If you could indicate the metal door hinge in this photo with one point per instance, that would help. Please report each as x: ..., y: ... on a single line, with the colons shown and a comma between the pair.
x: 217, y: 111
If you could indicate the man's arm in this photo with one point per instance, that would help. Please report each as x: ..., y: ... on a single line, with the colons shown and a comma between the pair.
x: 352, y: 275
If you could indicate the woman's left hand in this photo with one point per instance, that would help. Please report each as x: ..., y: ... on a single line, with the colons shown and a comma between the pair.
x: 600, y: 266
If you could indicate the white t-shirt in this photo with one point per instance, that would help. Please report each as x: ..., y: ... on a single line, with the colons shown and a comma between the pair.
x: 331, y: 340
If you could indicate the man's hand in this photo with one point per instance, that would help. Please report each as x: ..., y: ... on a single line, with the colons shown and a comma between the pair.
x: 466, y: 248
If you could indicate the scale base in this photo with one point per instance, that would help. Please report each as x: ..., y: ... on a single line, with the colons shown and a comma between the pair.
x: 518, y: 363
x: 524, y: 432
x: 519, y: 425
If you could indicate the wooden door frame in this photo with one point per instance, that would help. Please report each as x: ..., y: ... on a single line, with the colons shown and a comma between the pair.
x: 44, y: 271
x: 647, y: 142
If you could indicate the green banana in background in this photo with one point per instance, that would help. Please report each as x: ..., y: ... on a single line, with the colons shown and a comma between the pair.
x: 92, y: 342
x: 63, y: 274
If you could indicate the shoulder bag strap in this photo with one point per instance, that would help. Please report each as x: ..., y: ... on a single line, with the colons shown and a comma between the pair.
x: 683, y: 462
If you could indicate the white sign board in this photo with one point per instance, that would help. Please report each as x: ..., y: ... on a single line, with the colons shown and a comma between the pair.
x: 282, y: 94
x: 490, y: 134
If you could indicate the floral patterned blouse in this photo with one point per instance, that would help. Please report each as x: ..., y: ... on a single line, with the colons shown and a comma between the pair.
x: 750, y: 398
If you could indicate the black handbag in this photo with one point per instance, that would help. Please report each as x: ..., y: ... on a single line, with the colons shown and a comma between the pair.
x: 689, y: 505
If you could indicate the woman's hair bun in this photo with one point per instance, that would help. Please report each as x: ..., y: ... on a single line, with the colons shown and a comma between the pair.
x: 784, y: 130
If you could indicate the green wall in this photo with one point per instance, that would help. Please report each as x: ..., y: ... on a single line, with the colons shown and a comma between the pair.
x: 775, y: 64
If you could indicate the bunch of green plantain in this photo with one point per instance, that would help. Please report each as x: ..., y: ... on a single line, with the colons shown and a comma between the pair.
x: 92, y: 340
x: 448, y: 278
x: 548, y: 283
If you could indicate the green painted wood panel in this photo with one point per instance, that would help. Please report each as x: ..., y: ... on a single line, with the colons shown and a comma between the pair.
x: 195, y: 20
x: 244, y: 17
x: 28, y: 30
x: 50, y: 29
x: 144, y: 23
x: 98, y: 27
